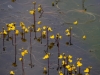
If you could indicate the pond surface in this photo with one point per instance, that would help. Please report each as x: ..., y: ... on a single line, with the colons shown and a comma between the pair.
x: 59, y: 17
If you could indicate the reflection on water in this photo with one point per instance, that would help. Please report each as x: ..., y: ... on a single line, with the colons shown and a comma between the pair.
x: 59, y: 17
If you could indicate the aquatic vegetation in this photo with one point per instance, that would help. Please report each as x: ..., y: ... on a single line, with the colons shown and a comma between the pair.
x: 50, y: 40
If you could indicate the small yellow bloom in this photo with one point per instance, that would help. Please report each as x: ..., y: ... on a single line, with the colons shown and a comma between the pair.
x: 4, y: 32
x: 32, y: 12
x: 86, y: 70
x: 44, y: 33
x: 44, y: 27
x: 22, y: 24
x: 69, y: 56
x: 20, y: 59
x: 16, y: 32
x: 67, y: 30
x: 39, y: 29
x: 12, y: 73
x: 39, y: 9
x: 68, y: 66
x: 68, y: 34
x: 23, y: 53
x: 39, y: 22
x: 79, y: 64
x: 60, y: 57
x: 26, y: 30
x: 52, y: 37
x: 46, y: 56
x: 75, y: 23
x: 84, y: 37
x: 26, y: 51
x: 44, y: 69
x: 49, y: 29
x: 70, y: 60
x: 60, y: 73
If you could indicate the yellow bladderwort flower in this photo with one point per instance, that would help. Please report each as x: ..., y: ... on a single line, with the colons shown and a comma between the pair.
x: 32, y: 12
x: 12, y: 73
x: 69, y: 56
x: 84, y: 37
x: 44, y: 68
x: 69, y: 69
x: 46, y: 56
x: 67, y: 66
x: 68, y: 34
x: 52, y: 37
x: 26, y: 30
x: 63, y: 62
x: 79, y: 64
x: 44, y: 27
x: 20, y: 59
x: 44, y: 33
x: 39, y: 22
x: 25, y: 51
x: 4, y: 32
x: 75, y: 23
x: 70, y: 60
x: 86, y: 70
x: 59, y: 36
x: 67, y: 30
x: 22, y: 24
x: 39, y: 29
x: 60, y: 57
x: 39, y: 9
x: 16, y: 32
x: 49, y: 29
x: 60, y: 73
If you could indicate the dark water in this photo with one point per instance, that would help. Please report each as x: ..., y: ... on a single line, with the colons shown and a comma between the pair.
x: 70, y: 11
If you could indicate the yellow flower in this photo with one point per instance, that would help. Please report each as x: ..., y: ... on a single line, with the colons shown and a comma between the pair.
x: 84, y: 37
x: 26, y: 51
x: 60, y: 73
x: 69, y: 56
x: 22, y: 24
x: 23, y: 53
x: 75, y: 23
x: 58, y: 36
x: 32, y: 12
x: 64, y: 57
x: 39, y: 9
x: 69, y: 69
x: 52, y: 37
x: 39, y: 22
x: 63, y: 62
x: 12, y: 73
x: 16, y: 32
x: 44, y: 27
x: 26, y: 30
x: 44, y: 33
x: 67, y: 30
x: 60, y: 57
x: 39, y: 29
x: 79, y: 64
x: 20, y: 59
x: 23, y: 27
x: 86, y: 70
x: 68, y: 66
x: 49, y: 29
x: 44, y: 69
x: 68, y: 34
x: 4, y: 32
x: 46, y: 56
x: 70, y: 60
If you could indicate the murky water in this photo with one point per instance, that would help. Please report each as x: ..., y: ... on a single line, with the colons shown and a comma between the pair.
x: 59, y: 17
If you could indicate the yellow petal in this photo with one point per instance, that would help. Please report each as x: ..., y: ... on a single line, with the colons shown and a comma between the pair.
x: 20, y: 59
x: 84, y: 37
x: 52, y: 37
x: 22, y: 53
x: 39, y: 22
x: 67, y: 30
x: 49, y: 29
x: 60, y: 57
x: 86, y: 70
x: 75, y: 23
x: 44, y: 27
x: 16, y: 32
x: 12, y: 73
x: 26, y: 51
x: 39, y: 29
